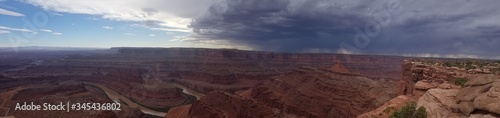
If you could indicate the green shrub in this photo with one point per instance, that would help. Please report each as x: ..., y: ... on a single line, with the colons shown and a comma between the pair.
x: 421, y: 113
x: 458, y: 63
x: 454, y: 64
x: 448, y: 64
x: 389, y: 109
x: 460, y: 81
x: 495, y: 70
x: 468, y: 67
x: 410, y: 111
x: 469, y: 62
x: 481, y: 65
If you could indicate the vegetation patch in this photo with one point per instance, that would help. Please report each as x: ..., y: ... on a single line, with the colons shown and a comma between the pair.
x: 410, y: 111
x: 460, y: 81
x: 495, y: 70
x: 389, y: 109
x: 454, y: 64
x: 468, y: 67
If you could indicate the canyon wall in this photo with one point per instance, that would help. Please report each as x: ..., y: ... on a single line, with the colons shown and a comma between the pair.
x: 232, y: 59
x: 304, y: 92
x: 322, y: 93
x: 219, y: 104
x: 330, y: 84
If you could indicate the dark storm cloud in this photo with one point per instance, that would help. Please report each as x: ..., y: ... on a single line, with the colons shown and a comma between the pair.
x: 492, y: 29
x: 371, y: 27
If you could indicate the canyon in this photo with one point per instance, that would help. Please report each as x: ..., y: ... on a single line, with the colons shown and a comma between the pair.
x: 447, y: 88
x: 226, y: 83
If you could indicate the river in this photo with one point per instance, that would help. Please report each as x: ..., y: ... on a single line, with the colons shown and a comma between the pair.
x: 188, y: 91
x: 116, y: 97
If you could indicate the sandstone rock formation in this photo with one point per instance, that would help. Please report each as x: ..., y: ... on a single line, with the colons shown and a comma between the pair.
x: 407, y: 82
x: 479, y: 93
x: 477, y: 99
x: 204, y: 70
x: 484, y: 116
x: 157, y: 96
x: 30, y: 93
x: 388, y: 107
x: 480, y: 79
x: 440, y: 103
x: 338, y: 67
x: 420, y: 76
x: 107, y: 114
x: 218, y: 104
x: 311, y: 92
x: 490, y: 101
x: 54, y: 93
x: 422, y: 85
x: 469, y: 93
x: 445, y: 85
x: 179, y: 112
x: 197, y: 58
x: 466, y: 107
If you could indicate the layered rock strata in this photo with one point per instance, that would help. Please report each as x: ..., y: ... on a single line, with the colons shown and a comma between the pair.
x: 219, y: 104
x: 311, y: 92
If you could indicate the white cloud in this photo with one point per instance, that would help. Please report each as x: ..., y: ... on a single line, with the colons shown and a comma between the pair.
x: 462, y: 56
x: 443, y: 56
x: 57, y: 14
x: 152, y: 35
x: 93, y: 18
x: 129, y: 34
x: 107, y: 27
x: 422, y: 55
x: 348, y: 51
x: 10, y: 13
x: 16, y: 29
x: 170, y: 29
x: 45, y: 30
x: 4, y: 32
x: 182, y: 38
x: 50, y: 31
x: 175, y: 15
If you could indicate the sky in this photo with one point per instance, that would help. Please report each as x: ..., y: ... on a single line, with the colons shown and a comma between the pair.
x: 425, y: 28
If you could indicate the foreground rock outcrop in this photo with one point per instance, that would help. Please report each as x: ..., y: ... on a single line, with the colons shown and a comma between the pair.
x: 385, y: 110
x: 490, y: 101
x: 424, y: 85
x: 440, y: 103
x: 481, y: 92
x: 421, y: 76
x: 478, y: 96
x: 448, y: 90
x: 446, y: 103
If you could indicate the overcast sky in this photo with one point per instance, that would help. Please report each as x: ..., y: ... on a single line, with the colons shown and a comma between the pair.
x: 458, y: 28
